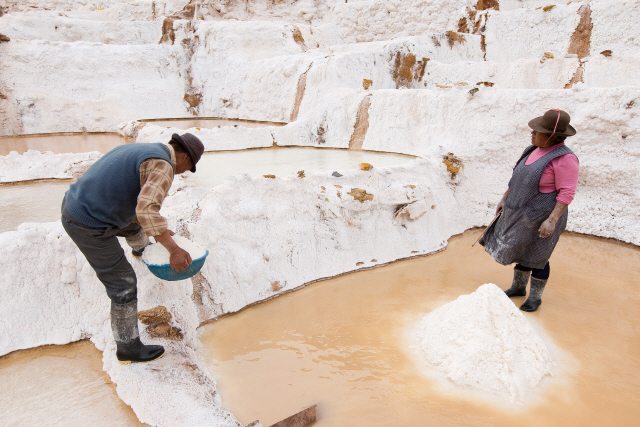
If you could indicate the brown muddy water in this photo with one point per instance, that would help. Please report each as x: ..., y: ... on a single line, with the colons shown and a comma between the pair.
x: 60, y: 386
x: 209, y: 123
x: 342, y: 344
x: 61, y: 143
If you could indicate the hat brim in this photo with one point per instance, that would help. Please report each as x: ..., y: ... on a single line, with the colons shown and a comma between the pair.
x: 536, y: 124
x: 177, y: 138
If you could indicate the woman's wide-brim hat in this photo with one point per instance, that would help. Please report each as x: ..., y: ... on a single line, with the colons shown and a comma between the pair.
x: 554, y: 122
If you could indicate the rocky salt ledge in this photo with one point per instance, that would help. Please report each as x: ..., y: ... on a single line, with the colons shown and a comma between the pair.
x: 483, y: 343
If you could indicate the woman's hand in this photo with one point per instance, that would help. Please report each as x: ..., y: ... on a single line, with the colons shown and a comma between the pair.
x: 547, y: 228
x: 549, y: 225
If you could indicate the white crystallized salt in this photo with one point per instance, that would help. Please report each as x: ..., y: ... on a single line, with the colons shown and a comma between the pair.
x: 483, y: 342
x: 157, y: 254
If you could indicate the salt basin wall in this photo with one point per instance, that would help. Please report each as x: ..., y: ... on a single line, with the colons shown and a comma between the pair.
x: 421, y: 77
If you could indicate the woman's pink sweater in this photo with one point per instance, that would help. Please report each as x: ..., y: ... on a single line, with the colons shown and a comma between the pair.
x: 561, y: 174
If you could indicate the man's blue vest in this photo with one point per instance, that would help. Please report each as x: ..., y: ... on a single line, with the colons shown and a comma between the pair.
x: 107, y: 194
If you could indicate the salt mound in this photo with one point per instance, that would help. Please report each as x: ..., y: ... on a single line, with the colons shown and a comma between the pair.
x: 483, y: 342
x: 156, y: 254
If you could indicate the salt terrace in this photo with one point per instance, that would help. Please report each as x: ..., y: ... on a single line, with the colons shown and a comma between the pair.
x: 452, y: 83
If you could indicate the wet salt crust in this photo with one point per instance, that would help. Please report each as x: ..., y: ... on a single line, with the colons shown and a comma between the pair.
x: 156, y: 254
x: 483, y: 342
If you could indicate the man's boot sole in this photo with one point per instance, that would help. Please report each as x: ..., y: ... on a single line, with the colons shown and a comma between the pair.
x: 128, y: 362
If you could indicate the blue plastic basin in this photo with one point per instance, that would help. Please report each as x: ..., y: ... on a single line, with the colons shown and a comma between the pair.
x: 165, y: 272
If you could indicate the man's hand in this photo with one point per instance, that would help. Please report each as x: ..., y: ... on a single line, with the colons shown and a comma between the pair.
x: 180, y: 259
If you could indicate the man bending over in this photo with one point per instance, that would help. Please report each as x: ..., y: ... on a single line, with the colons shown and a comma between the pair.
x: 120, y: 195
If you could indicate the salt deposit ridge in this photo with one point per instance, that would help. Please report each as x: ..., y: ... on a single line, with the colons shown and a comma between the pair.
x: 420, y: 77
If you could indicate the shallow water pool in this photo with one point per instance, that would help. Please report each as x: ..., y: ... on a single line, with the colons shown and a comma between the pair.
x: 340, y: 343
x: 60, y: 386
x: 39, y: 202
x: 65, y: 143
x: 214, y: 167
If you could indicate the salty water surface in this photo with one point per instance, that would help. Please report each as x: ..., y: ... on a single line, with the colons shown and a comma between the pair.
x: 214, y: 167
x: 65, y: 143
x: 60, y: 386
x: 340, y: 343
x: 38, y: 202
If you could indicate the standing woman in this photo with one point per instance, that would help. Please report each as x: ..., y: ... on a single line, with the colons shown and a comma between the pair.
x: 534, y: 207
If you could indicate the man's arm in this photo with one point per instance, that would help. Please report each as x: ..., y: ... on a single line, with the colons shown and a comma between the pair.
x: 156, y: 176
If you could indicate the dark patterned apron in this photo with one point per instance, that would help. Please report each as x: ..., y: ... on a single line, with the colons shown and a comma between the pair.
x: 514, y: 237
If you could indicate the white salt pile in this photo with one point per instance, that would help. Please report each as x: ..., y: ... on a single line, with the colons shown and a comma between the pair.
x: 156, y: 254
x: 482, y: 342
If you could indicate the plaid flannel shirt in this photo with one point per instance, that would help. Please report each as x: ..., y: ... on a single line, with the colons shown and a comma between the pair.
x: 156, y: 176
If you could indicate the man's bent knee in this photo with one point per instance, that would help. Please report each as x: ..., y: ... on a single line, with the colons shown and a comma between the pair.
x: 120, y: 282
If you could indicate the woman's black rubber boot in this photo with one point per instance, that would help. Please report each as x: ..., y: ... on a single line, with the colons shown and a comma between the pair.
x: 124, y: 325
x: 535, y: 295
x: 519, y: 285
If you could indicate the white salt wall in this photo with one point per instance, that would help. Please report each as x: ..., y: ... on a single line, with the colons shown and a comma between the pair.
x: 521, y: 74
x: 111, y: 9
x: 526, y: 33
x: 613, y: 71
x: 530, y: 4
x: 615, y: 27
x: 74, y: 90
x: 52, y: 294
x: 223, y: 138
x: 50, y: 26
x: 363, y: 21
x: 44, y: 165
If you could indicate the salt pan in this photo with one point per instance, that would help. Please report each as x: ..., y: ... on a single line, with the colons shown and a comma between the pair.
x: 156, y: 254
x: 482, y: 342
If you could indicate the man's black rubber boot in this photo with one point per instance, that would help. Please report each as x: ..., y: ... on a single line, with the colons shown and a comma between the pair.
x: 136, y: 352
x: 535, y: 295
x: 124, y: 325
x: 519, y: 285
